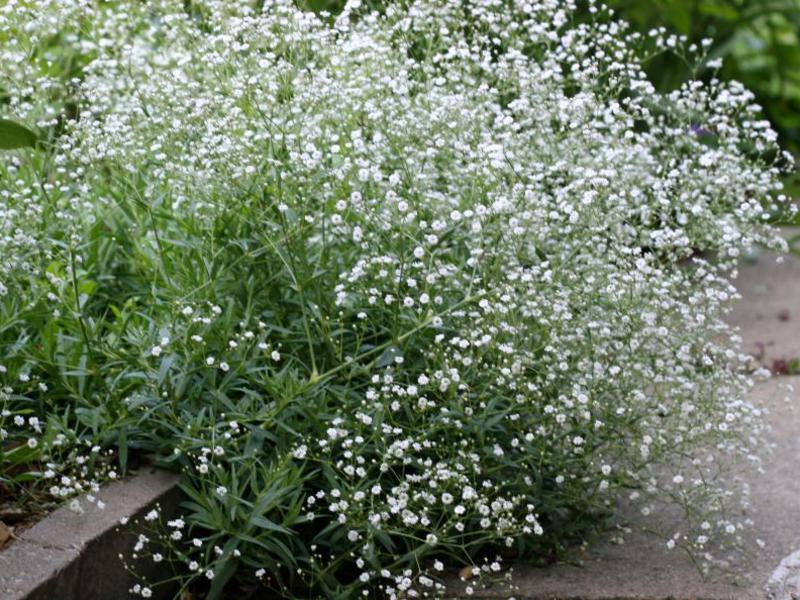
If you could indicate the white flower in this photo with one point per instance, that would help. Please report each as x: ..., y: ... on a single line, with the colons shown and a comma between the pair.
x: 495, y: 188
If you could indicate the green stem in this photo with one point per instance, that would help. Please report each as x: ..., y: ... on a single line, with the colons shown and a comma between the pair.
x: 78, y: 309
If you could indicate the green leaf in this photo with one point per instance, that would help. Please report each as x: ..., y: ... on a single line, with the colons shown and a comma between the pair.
x: 721, y: 10
x: 166, y: 365
x: 265, y: 523
x: 20, y: 455
x: 388, y: 356
x: 14, y: 135
x: 123, y: 449
x: 222, y: 575
x: 255, y: 442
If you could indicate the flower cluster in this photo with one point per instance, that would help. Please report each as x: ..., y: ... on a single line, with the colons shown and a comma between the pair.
x: 62, y: 464
x: 399, y: 291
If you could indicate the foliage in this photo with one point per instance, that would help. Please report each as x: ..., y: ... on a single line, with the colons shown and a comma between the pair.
x: 14, y: 135
x: 395, y: 291
x: 758, y: 40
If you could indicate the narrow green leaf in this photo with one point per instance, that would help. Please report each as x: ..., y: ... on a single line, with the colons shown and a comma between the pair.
x: 265, y: 523
x: 222, y: 575
x: 166, y: 364
x: 388, y: 356
x: 123, y: 449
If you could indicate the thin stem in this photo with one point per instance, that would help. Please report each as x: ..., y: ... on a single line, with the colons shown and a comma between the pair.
x: 78, y: 308
x: 161, y: 253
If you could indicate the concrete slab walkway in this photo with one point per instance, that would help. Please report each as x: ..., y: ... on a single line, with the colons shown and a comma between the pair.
x: 643, y: 568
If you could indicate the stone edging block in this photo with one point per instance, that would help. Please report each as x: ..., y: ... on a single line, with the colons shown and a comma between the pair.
x: 75, y: 556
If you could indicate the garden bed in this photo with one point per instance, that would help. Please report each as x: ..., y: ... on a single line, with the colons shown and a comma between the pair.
x: 400, y: 292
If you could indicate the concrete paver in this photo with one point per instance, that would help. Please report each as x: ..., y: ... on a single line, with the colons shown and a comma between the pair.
x: 70, y: 556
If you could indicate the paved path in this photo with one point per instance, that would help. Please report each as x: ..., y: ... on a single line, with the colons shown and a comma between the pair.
x: 769, y: 313
x: 642, y: 568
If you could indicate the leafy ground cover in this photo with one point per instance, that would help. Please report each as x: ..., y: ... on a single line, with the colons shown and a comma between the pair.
x: 397, y: 291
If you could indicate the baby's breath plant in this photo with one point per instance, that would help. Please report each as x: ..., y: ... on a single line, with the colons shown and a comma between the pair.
x: 397, y: 291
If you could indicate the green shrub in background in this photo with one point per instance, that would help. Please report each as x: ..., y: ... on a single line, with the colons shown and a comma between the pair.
x: 759, y: 41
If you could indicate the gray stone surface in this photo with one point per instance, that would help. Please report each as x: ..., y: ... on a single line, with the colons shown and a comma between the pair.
x: 642, y: 568
x: 769, y: 314
x: 70, y: 556
x: 23, y: 565
x: 785, y: 580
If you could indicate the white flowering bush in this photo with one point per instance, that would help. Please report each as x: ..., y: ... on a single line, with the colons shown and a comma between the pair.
x: 397, y: 291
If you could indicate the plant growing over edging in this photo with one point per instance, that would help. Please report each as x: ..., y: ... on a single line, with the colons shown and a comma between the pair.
x: 395, y: 291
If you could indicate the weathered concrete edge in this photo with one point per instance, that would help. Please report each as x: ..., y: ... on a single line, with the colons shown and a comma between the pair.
x: 74, y: 556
